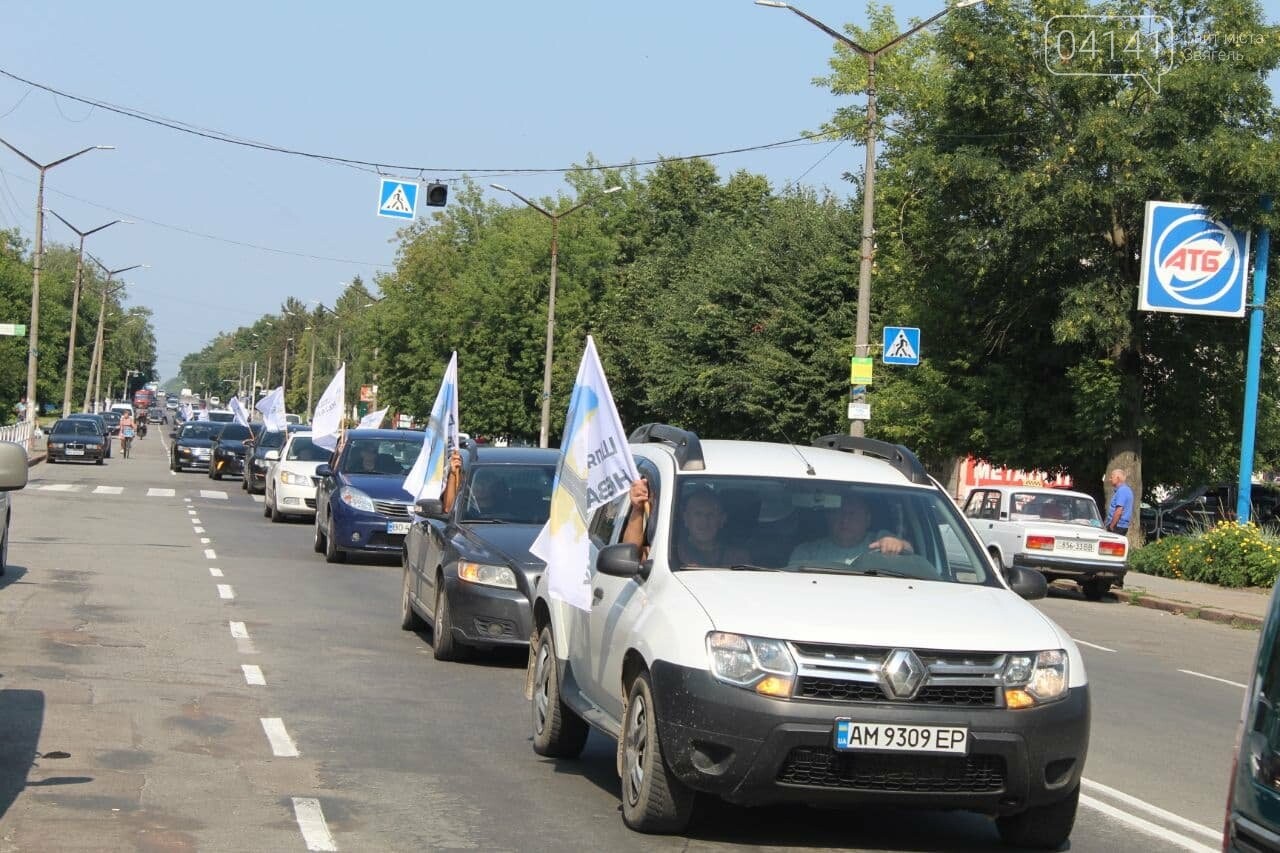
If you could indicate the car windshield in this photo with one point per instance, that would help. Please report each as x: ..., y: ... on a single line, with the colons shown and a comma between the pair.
x: 381, y: 456
x: 221, y: 417
x: 200, y: 429
x: 517, y: 494
x: 303, y: 449
x: 271, y: 440
x: 1048, y: 506
x: 112, y: 418
x: 788, y: 524
x: 75, y: 426
x: 234, y: 432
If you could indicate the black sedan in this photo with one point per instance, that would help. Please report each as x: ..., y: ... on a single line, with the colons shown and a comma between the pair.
x: 192, y: 444
x: 469, y: 571
x: 76, y: 440
x: 264, y: 451
x: 104, y: 424
x: 229, y: 449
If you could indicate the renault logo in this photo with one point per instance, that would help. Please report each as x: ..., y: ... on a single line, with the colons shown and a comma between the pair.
x: 901, y: 674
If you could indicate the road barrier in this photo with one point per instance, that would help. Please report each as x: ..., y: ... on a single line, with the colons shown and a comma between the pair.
x: 19, y: 434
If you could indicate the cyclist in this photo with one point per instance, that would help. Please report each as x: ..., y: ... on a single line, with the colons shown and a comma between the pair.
x: 126, y: 432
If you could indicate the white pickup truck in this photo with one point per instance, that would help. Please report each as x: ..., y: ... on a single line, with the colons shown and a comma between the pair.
x: 1055, y: 532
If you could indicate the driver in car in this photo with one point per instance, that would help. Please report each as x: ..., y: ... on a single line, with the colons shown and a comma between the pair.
x: 849, y: 538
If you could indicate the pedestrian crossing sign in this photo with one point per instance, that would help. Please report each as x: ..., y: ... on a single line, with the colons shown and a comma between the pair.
x: 398, y: 199
x: 901, y: 345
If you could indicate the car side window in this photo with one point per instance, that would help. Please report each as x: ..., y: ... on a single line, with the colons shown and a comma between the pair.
x: 983, y: 504
x: 604, y: 522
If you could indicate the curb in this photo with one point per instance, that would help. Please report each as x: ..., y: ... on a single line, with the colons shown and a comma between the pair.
x: 1182, y: 608
x: 32, y: 461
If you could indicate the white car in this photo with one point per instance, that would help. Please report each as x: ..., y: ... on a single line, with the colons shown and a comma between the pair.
x: 769, y: 662
x: 1056, y: 532
x: 291, y: 481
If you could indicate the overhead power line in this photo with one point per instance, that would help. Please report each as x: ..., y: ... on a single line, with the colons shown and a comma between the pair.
x: 377, y: 166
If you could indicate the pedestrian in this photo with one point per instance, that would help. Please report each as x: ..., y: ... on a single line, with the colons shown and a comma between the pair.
x: 1120, y: 510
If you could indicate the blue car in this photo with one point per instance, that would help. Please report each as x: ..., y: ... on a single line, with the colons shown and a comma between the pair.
x: 361, y: 504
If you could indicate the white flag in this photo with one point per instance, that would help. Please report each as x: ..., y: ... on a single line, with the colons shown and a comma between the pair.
x: 596, y: 467
x: 203, y: 414
x: 272, y: 408
x: 373, y: 420
x: 237, y: 411
x: 187, y: 414
x: 326, y: 421
x: 426, y: 478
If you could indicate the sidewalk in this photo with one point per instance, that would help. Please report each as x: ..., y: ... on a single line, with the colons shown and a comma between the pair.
x: 1241, y: 607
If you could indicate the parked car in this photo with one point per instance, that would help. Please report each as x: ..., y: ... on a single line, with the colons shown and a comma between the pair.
x: 469, y: 571
x: 13, y: 476
x: 804, y: 669
x: 259, y: 457
x: 1204, y: 506
x: 110, y: 426
x: 76, y: 440
x: 1056, y: 532
x: 291, y: 482
x: 361, y: 504
x: 1253, y: 797
x: 226, y: 458
x: 192, y: 445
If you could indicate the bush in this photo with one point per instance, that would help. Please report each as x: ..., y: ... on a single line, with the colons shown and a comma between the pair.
x: 1227, y: 554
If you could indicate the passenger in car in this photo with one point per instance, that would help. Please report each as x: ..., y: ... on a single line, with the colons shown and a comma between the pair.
x: 699, y: 538
x: 849, y: 538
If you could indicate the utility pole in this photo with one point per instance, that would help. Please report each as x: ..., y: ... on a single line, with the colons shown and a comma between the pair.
x: 95, y: 367
x: 36, y: 262
x: 284, y: 369
x: 75, y: 306
x: 311, y: 370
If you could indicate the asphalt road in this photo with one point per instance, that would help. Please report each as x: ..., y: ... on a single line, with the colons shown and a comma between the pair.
x: 138, y: 664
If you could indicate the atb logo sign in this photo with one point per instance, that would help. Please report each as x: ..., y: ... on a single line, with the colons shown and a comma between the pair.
x: 1192, y: 263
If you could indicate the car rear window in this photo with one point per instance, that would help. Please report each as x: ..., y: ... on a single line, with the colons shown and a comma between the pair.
x: 302, y: 449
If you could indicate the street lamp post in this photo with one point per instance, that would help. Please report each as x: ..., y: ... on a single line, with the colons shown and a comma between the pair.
x: 545, y: 428
x: 862, y: 334
x: 95, y: 366
x: 75, y: 304
x: 37, y: 260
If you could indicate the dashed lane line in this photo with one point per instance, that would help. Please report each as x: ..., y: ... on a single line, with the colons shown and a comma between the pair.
x: 1153, y: 810
x: 160, y: 493
x: 258, y: 499
x: 253, y: 675
x: 195, y: 520
x: 1142, y: 825
x: 282, y: 746
x: 244, y: 643
x: 315, y: 832
x: 210, y: 554
x: 215, y: 572
x: 204, y: 540
x: 239, y: 631
x: 213, y: 494
x: 108, y: 490
x: 1214, y: 678
x: 225, y: 592
x: 197, y: 529
x: 1080, y: 642
x: 59, y: 487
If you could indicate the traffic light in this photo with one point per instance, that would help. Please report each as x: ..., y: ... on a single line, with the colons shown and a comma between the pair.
x: 437, y: 194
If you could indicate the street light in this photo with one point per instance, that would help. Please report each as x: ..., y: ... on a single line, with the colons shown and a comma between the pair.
x: 863, y: 332
x: 37, y: 260
x: 95, y: 367
x: 75, y: 303
x: 555, y: 218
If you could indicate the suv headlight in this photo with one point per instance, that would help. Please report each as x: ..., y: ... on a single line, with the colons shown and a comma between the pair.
x: 754, y: 663
x: 291, y: 479
x: 486, y: 575
x: 356, y: 499
x: 1035, y: 679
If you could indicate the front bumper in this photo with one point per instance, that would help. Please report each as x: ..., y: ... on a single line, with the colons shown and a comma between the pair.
x: 354, y: 530
x: 1073, y: 568
x: 295, y: 500
x: 89, y: 453
x: 191, y: 459
x: 489, y: 616
x: 229, y: 465
x: 751, y: 749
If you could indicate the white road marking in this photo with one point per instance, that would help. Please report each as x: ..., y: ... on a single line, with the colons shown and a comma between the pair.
x: 185, y: 500
x: 215, y: 572
x: 1147, y: 826
x: 240, y: 634
x: 226, y: 592
x: 257, y: 498
x: 197, y: 529
x: 239, y: 631
x: 210, y: 554
x: 160, y: 493
x: 108, y: 490
x: 204, y: 540
x: 253, y: 675
x: 1214, y: 678
x: 315, y: 832
x: 1155, y: 811
x: 59, y: 487
x: 195, y: 520
x: 1080, y: 642
x: 282, y: 746
x: 215, y: 495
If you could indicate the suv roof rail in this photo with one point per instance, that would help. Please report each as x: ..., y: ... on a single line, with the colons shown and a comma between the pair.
x: 685, y: 443
x: 895, y: 454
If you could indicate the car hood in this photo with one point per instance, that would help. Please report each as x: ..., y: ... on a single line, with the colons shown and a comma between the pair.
x: 195, y: 442
x: 869, y: 611
x: 503, y: 543
x: 383, y: 487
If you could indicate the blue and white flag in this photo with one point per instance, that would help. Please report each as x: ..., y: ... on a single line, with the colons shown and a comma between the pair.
x: 272, y: 408
x: 237, y: 411
x: 596, y: 467
x: 373, y: 420
x: 426, y: 478
x: 326, y: 421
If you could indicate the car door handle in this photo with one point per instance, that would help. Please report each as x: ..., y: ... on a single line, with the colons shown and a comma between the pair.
x: 597, y: 594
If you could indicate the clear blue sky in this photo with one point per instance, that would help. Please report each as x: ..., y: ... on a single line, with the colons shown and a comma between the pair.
x: 472, y: 85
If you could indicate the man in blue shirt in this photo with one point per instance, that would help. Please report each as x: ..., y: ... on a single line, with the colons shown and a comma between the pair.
x: 1120, y: 510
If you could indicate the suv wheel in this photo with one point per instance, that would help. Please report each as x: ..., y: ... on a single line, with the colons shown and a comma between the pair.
x: 1042, y: 828
x: 1095, y: 589
x: 653, y: 799
x: 332, y: 553
x: 557, y: 731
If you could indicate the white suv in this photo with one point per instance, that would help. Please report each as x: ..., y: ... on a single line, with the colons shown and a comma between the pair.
x: 812, y: 624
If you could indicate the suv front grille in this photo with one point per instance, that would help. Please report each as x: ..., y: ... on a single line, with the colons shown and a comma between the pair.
x: 834, y: 690
x: 853, y: 674
x: 905, y: 772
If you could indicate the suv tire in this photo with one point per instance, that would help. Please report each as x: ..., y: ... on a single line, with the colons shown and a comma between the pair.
x: 1042, y: 828
x: 557, y: 731
x: 653, y: 799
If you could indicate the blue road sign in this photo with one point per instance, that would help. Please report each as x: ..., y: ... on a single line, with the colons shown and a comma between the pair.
x: 1191, y: 262
x: 901, y: 345
x: 398, y: 199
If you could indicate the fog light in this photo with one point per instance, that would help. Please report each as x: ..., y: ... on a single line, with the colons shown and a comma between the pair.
x: 355, y: 537
x: 495, y: 629
x: 775, y: 686
x: 291, y: 501
x: 1018, y: 699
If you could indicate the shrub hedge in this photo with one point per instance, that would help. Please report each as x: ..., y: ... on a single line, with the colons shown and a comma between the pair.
x: 1227, y: 554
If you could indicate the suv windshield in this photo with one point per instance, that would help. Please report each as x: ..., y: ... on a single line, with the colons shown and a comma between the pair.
x: 199, y: 429
x: 1039, y: 506
x: 270, y: 440
x: 518, y: 494
x: 381, y: 456
x: 823, y: 526
x: 302, y: 449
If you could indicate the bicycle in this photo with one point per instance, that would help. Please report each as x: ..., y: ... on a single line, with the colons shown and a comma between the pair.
x: 126, y: 440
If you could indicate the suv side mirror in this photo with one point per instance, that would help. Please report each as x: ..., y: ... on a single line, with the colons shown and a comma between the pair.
x: 620, y: 561
x: 431, y: 508
x: 13, y: 466
x: 324, y: 470
x: 1027, y: 583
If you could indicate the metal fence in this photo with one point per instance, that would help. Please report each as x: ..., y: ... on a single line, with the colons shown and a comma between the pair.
x: 20, y: 433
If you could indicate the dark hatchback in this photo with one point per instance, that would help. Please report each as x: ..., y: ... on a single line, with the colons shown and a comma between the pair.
x: 361, y: 504
x: 103, y: 422
x: 469, y: 572
x: 1253, y: 799
x: 192, y: 444
x: 227, y: 454
x: 76, y: 440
